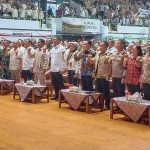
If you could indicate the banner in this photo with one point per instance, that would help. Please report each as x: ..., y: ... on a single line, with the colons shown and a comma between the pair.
x: 80, y: 25
x: 59, y: 1
x: 128, y: 37
x: 144, y: 12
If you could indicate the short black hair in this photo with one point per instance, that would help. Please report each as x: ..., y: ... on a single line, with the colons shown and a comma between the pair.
x: 8, y: 41
x: 140, y: 41
x: 89, y: 42
x: 29, y: 40
x: 105, y: 43
x: 139, y: 50
x: 20, y: 40
x: 113, y: 41
x: 42, y: 41
x: 58, y: 37
x: 123, y: 42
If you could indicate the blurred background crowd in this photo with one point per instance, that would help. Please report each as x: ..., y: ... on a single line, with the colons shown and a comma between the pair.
x: 20, y: 9
x: 109, y: 11
x: 121, y: 12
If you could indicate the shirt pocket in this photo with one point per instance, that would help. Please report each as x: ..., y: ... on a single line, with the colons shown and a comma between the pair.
x: 119, y: 60
x: 56, y: 58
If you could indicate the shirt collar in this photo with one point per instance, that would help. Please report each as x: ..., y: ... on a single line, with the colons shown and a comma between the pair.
x: 86, y: 52
x: 57, y: 46
x: 122, y: 52
x: 103, y: 53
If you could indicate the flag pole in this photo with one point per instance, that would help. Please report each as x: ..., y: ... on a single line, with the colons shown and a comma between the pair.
x: 56, y: 10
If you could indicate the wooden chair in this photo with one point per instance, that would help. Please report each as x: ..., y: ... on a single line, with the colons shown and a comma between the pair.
x: 65, y: 80
x: 111, y: 89
x: 49, y: 84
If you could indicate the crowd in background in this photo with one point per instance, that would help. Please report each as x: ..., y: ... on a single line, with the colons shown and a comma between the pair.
x: 125, y: 12
x: 113, y: 11
x: 22, y: 9
x: 127, y: 64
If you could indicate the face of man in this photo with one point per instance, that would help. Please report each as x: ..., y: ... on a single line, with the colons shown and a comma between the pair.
x: 20, y: 43
x: 120, y: 46
x: 110, y: 43
x: 86, y: 46
x: 129, y: 48
x: 80, y: 43
x: 98, y: 49
x: 48, y: 42
x: 138, y: 42
x: 40, y: 44
x: 33, y: 41
x: 6, y: 44
x: 27, y: 43
x: 72, y: 48
x: 56, y: 41
x: 2, y: 41
x: 103, y: 47
x: 15, y: 44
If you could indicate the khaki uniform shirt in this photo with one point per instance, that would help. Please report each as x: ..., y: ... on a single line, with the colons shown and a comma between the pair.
x: 117, y: 64
x: 102, y: 67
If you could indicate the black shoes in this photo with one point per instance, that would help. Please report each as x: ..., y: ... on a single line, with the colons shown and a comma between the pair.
x: 116, y: 109
x: 106, y: 108
x: 54, y: 98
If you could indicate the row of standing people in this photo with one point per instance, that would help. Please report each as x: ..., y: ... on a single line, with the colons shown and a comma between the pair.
x: 126, y: 70
x: 131, y: 69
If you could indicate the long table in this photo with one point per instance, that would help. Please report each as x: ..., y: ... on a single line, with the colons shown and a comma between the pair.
x: 134, y: 110
x: 76, y: 99
x: 6, y: 86
x: 33, y: 92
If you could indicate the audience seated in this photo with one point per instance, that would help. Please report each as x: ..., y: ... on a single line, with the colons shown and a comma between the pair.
x: 20, y: 9
x: 116, y: 11
x: 111, y: 12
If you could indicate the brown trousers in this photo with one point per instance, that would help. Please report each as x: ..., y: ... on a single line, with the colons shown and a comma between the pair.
x: 15, y: 74
x: 41, y: 77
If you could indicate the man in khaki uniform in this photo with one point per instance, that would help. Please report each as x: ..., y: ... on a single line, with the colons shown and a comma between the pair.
x: 118, y: 71
x: 102, y: 72
x: 15, y: 61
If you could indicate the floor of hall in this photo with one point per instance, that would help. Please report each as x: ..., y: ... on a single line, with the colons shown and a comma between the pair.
x: 44, y: 126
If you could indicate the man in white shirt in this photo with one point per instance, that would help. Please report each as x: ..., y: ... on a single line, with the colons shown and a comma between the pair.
x: 57, y: 67
x: 22, y: 12
x: 83, y: 12
x: 66, y: 11
x: 111, y: 49
x: 29, y: 12
x: 4, y: 5
x: 35, y: 14
x: 15, y: 61
x: 102, y: 9
x: 14, y: 12
x: 9, y: 8
x: 20, y: 42
x: 27, y: 62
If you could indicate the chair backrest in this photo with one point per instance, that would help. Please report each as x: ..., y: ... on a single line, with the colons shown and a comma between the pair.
x: 65, y: 78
